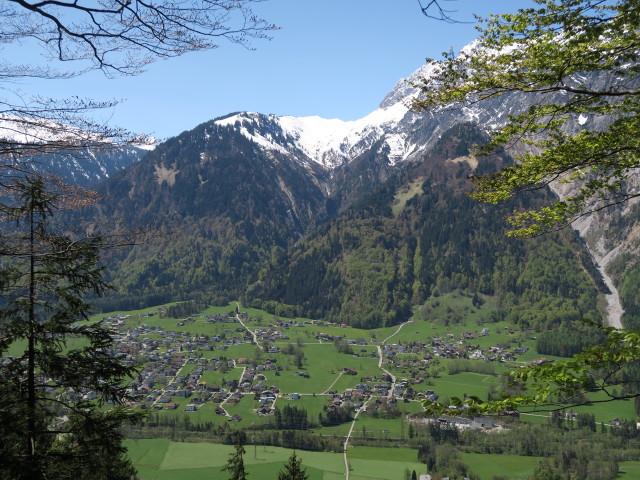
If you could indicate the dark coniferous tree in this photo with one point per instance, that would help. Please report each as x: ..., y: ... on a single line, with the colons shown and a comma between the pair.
x: 235, y: 462
x: 61, y: 373
x: 293, y: 470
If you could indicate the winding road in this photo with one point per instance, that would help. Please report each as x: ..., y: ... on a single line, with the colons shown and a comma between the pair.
x: 253, y: 334
x: 170, y: 383
x: 346, y: 441
x: 364, y: 406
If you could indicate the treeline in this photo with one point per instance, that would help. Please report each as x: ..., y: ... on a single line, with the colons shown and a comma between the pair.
x: 461, y: 365
x: 112, y: 303
x: 568, y: 340
x: 291, y: 418
x: 572, y: 446
x: 295, y: 439
x: 181, y: 428
x: 335, y: 416
x: 184, y: 309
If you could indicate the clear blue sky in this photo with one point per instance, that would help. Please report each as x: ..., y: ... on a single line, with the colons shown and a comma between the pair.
x: 332, y: 58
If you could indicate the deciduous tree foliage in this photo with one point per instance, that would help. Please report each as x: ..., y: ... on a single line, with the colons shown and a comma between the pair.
x: 610, y: 368
x: 122, y: 36
x: 572, y: 61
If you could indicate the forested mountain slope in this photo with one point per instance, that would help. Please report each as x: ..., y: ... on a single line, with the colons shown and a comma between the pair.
x: 223, y: 206
x: 420, y: 235
x: 353, y: 221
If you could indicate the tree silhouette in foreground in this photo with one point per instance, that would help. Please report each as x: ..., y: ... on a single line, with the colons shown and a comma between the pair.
x: 115, y: 37
x: 293, y: 469
x: 62, y: 386
x: 235, y: 462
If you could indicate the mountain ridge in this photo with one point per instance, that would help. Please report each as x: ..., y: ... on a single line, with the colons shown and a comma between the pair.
x: 251, y: 186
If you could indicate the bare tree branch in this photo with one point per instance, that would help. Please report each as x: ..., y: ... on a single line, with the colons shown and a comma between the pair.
x: 123, y: 36
x: 117, y: 37
x: 434, y: 10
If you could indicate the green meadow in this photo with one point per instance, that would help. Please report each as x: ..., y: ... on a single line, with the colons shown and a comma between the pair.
x: 445, y: 316
x: 160, y: 459
x: 512, y: 467
x: 629, y: 471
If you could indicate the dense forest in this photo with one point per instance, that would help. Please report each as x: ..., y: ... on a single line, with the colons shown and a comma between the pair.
x: 371, y: 264
x: 213, y: 204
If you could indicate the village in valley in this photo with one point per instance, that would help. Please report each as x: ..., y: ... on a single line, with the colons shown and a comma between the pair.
x: 343, y: 397
x: 212, y: 362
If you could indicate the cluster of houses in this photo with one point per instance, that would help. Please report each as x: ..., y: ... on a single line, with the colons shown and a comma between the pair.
x: 160, y: 386
x: 386, y: 394
x: 450, y: 347
x: 270, y: 334
x: 254, y: 378
x: 164, y: 355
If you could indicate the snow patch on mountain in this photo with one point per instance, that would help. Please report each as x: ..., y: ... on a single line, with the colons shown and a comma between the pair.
x: 331, y: 142
x: 392, y: 128
x: 405, y: 88
x: 328, y: 142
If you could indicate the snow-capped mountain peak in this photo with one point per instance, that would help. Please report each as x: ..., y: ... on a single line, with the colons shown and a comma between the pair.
x: 392, y: 127
x: 328, y: 142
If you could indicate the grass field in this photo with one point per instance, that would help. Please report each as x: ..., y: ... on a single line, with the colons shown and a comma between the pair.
x: 459, y: 384
x: 606, y: 412
x: 629, y: 471
x: 404, y: 195
x: 511, y: 466
x: 160, y: 459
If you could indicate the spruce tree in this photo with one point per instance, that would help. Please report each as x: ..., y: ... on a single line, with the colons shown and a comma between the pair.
x: 235, y: 462
x: 57, y: 368
x: 292, y: 469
